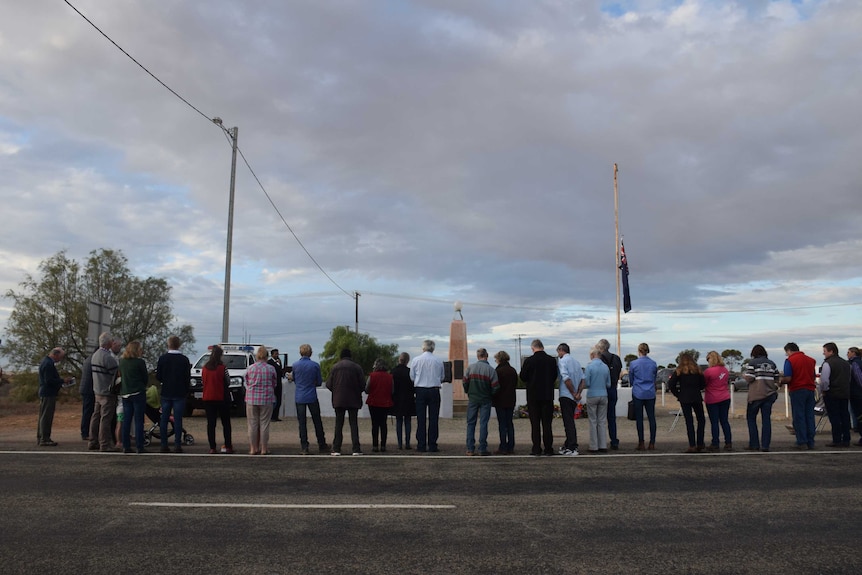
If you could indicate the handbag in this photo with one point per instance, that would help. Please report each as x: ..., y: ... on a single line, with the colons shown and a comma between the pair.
x: 631, y: 414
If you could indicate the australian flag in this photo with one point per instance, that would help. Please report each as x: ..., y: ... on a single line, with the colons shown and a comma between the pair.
x: 624, y: 274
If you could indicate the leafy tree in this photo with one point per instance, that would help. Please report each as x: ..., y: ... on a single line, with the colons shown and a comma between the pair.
x: 692, y: 352
x: 52, y: 309
x: 629, y: 358
x: 364, y: 350
x: 732, y: 357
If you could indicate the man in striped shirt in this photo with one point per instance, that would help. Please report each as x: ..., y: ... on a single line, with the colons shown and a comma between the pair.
x: 480, y: 384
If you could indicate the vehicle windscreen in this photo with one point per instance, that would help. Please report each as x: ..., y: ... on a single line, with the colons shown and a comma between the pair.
x: 230, y: 361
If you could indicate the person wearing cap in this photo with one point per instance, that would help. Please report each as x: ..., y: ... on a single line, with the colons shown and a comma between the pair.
x: 275, y: 362
x: 50, y: 383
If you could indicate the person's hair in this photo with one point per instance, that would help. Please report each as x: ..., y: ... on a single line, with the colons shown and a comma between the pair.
x: 854, y: 351
x: 105, y: 339
x: 595, y: 351
x: 758, y: 351
x: 482, y: 353
x: 215, y: 358
x: 687, y: 365
x: 379, y: 365
x: 174, y: 342
x: 428, y: 345
x: 305, y: 350
x: 643, y: 348
x: 345, y: 353
x: 133, y: 349
x: 273, y: 351
x: 501, y: 356
x: 791, y: 347
x: 713, y: 359
x: 57, y: 352
x: 603, y: 345
x: 831, y: 347
x: 403, y: 358
x: 564, y: 347
x: 537, y: 344
x: 261, y: 354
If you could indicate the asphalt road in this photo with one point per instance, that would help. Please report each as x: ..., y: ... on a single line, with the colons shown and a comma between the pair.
x: 740, y: 512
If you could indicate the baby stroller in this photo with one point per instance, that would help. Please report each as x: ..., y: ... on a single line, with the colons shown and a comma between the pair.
x: 154, y: 432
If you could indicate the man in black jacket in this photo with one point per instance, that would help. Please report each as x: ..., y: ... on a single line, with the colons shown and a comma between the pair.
x: 174, y: 371
x: 539, y: 373
x: 275, y: 362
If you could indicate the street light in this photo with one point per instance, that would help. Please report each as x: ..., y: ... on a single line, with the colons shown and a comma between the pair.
x: 233, y: 134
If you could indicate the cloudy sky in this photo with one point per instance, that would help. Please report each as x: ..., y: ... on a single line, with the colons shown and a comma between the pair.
x: 428, y: 152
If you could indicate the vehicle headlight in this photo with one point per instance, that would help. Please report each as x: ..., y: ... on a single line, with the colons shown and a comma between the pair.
x: 236, y: 382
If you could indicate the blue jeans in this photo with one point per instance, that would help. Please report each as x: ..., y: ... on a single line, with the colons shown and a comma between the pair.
x: 403, y: 422
x: 802, y: 410
x: 134, y: 407
x: 649, y: 405
x: 506, y: 426
x: 483, y: 411
x: 718, y: 414
x: 178, y: 405
x: 695, y: 436
x: 427, y: 410
x: 764, y: 407
x: 314, y: 410
x: 612, y: 414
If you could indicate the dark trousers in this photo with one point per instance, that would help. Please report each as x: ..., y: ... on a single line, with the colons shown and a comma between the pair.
x: 649, y: 405
x: 301, y: 418
x: 427, y: 410
x: 567, y: 410
x: 719, y: 415
x: 47, y: 405
x: 697, y: 408
x: 764, y: 408
x: 133, y: 414
x: 506, y: 426
x: 218, y: 410
x: 541, y: 416
x: 378, y: 425
x: 88, y: 405
x: 339, y: 429
x: 838, y: 410
x: 612, y: 414
x: 279, y: 389
x: 403, y: 421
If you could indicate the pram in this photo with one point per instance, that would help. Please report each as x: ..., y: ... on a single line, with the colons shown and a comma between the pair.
x: 154, y: 432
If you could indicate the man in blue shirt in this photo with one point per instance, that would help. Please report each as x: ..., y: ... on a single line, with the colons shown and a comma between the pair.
x: 571, y: 377
x: 642, y: 372
x: 427, y: 373
x: 306, y: 375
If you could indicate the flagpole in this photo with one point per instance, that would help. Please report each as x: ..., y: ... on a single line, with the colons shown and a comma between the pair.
x: 617, y: 253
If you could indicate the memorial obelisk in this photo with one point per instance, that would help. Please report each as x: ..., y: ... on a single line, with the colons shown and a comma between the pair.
x: 458, y: 353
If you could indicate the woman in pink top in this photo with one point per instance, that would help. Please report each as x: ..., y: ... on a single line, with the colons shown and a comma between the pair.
x: 717, y: 398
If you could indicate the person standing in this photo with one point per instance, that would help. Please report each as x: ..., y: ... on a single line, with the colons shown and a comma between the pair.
x: 686, y: 383
x: 88, y: 398
x: 50, y: 383
x: 346, y: 382
x: 404, y: 401
x: 571, y: 380
x: 480, y: 384
x: 174, y: 372
x: 642, y: 372
x: 275, y: 362
x: 615, y: 366
x: 133, y: 391
x: 306, y: 375
x: 597, y: 381
x: 855, y: 359
x: 260, y: 380
x: 762, y: 377
x: 539, y: 373
x: 104, y: 365
x: 717, y: 398
x: 504, y: 403
x: 216, y: 397
x: 835, y: 375
x: 379, y: 388
x: 800, y: 380
x: 427, y: 374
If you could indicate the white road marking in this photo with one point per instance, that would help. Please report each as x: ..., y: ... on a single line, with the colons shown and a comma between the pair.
x: 297, y: 505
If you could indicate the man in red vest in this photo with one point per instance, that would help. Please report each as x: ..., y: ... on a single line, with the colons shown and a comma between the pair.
x: 799, y: 375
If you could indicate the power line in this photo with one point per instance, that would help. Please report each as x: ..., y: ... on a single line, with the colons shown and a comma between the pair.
x: 225, y: 131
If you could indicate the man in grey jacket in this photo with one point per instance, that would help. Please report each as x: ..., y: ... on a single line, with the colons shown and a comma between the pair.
x: 104, y: 366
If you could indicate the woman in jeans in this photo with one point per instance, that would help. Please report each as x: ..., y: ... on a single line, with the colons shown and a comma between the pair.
x: 717, y: 399
x: 642, y: 372
x: 762, y: 377
x: 686, y: 384
x: 216, y: 397
x: 379, y: 388
x: 133, y: 370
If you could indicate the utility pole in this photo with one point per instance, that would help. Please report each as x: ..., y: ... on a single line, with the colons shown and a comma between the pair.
x: 233, y: 134
x: 356, y: 295
x: 519, y: 336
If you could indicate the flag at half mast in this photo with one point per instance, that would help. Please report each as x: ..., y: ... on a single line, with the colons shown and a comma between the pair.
x: 624, y: 275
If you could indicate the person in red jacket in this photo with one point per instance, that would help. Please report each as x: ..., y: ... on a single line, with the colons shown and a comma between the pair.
x: 379, y: 388
x: 800, y: 379
x: 216, y: 381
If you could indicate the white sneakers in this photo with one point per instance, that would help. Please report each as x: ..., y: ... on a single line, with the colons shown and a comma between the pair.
x: 568, y: 452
